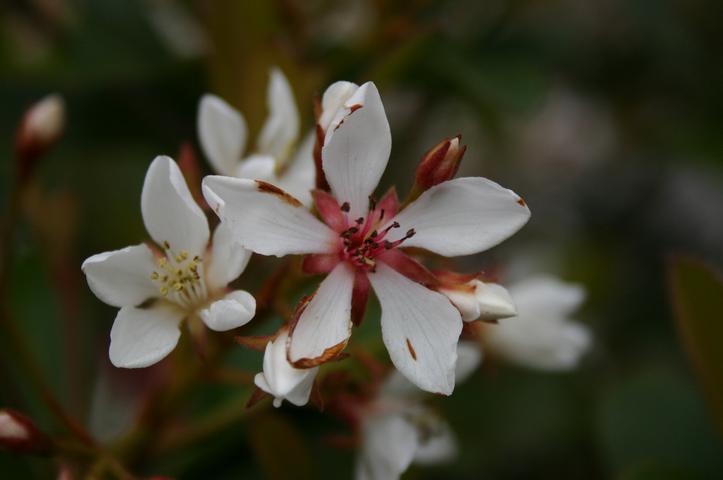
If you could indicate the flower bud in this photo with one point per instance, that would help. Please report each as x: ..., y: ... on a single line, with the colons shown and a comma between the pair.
x: 281, y: 379
x: 39, y: 129
x: 439, y: 164
x: 477, y: 300
x: 19, y: 434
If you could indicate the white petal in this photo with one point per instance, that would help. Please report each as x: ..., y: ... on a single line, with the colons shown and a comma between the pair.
x: 257, y: 167
x: 122, y: 277
x: 355, y: 155
x: 437, y: 447
x: 142, y: 337
x: 465, y: 301
x: 547, y: 294
x: 222, y: 132
x: 332, y: 103
x: 280, y: 379
x: 541, y: 336
x: 237, y: 308
x: 169, y: 211
x: 420, y: 328
x: 389, y: 444
x: 266, y: 221
x: 494, y: 301
x: 228, y: 258
x: 462, y: 217
x: 326, y: 321
x: 282, y: 125
x: 299, y: 178
x: 469, y: 356
x: 300, y: 394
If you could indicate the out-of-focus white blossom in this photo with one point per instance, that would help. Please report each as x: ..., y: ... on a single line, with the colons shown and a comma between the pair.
x: 542, y: 335
x: 278, y: 157
x: 398, y: 429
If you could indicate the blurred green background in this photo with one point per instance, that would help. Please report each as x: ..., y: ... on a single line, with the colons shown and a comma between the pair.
x: 606, y: 116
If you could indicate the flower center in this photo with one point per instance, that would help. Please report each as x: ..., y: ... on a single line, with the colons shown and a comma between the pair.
x: 362, y: 243
x: 180, y: 278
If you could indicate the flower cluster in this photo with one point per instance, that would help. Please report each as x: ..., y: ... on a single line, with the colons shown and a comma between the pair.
x: 267, y: 204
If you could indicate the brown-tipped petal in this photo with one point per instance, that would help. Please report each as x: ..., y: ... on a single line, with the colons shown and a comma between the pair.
x: 409, y: 267
x: 331, y: 353
x: 329, y: 210
x: 254, y: 342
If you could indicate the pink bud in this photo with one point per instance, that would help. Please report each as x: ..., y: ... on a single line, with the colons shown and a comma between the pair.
x: 19, y: 434
x: 39, y: 129
x: 440, y: 163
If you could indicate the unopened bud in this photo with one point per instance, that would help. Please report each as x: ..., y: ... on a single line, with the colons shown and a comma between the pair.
x: 39, y: 129
x: 440, y: 163
x: 19, y: 434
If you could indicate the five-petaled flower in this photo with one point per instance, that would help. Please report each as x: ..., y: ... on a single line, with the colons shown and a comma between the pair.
x: 185, y: 278
x: 358, y: 241
x: 223, y: 133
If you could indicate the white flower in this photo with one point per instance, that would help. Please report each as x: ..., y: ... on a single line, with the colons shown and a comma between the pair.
x: 477, y: 300
x: 280, y: 379
x: 397, y: 429
x: 156, y: 291
x: 541, y: 335
x: 357, y: 244
x: 223, y: 134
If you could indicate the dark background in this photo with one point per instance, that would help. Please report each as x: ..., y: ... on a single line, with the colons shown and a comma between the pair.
x: 605, y: 116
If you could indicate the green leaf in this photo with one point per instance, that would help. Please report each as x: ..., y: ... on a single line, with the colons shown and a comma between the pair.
x: 697, y: 296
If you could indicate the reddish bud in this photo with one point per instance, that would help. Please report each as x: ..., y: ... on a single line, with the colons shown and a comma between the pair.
x: 19, y: 434
x: 440, y: 163
x: 40, y: 128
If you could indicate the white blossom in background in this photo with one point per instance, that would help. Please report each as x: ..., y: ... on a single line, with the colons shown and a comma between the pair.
x: 542, y: 335
x: 278, y: 158
x: 357, y: 243
x: 281, y: 379
x: 398, y: 429
x: 156, y: 289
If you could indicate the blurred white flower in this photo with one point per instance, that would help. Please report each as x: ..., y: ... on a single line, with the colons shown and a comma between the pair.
x: 398, y: 429
x: 570, y: 132
x: 357, y: 243
x: 280, y: 379
x: 155, y: 291
x: 223, y: 135
x: 541, y: 335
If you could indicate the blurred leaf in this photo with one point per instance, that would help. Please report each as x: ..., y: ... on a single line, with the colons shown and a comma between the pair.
x: 655, y: 471
x: 279, y: 448
x: 697, y: 294
x: 656, y: 415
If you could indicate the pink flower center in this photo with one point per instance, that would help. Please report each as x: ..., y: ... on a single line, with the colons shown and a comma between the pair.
x: 362, y: 243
